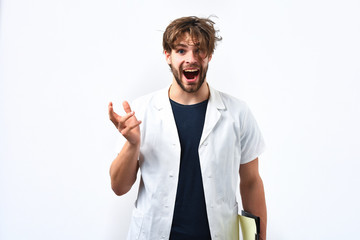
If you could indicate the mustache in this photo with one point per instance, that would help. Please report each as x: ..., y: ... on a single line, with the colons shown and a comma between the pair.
x: 182, y: 67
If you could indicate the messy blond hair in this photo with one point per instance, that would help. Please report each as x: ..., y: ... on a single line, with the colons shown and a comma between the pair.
x: 200, y: 30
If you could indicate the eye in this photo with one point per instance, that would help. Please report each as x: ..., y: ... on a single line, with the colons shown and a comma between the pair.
x: 200, y: 51
x: 181, y: 51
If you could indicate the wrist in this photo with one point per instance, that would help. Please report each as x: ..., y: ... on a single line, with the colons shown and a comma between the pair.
x: 133, y: 145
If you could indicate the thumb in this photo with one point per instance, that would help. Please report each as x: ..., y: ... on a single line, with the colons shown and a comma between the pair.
x: 126, y: 107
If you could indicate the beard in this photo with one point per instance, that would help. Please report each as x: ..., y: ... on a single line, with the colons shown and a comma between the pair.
x: 189, y: 88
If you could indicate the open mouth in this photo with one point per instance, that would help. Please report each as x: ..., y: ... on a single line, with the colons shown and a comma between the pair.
x: 191, y: 73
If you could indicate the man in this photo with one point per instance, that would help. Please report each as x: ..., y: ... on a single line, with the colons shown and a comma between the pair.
x: 191, y: 145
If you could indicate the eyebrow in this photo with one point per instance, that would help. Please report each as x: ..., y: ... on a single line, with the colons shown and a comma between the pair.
x: 181, y: 45
x: 186, y: 45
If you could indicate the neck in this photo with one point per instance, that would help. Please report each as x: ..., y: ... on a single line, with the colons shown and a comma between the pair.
x: 177, y: 94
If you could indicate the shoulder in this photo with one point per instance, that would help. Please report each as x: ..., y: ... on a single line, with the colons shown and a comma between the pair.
x: 229, y: 102
x: 150, y: 99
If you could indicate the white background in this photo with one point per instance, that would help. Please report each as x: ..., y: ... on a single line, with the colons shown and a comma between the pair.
x: 296, y: 63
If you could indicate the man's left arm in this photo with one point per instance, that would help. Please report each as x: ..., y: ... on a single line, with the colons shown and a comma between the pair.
x: 252, y: 193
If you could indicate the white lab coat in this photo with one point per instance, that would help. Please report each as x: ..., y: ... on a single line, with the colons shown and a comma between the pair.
x: 230, y: 137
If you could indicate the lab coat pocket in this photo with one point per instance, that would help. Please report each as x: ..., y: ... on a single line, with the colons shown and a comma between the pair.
x: 135, y: 225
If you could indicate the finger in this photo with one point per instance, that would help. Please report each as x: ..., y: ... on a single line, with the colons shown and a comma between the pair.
x: 126, y: 117
x: 126, y: 107
x: 135, y: 125
x: 110, y: 108
x: 112, y: 115
x: 126, y: 130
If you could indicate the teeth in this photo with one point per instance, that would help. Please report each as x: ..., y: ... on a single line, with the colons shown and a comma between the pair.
x: 191, y: 70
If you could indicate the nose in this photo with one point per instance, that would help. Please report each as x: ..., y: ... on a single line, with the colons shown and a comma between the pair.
x: 191, y: 57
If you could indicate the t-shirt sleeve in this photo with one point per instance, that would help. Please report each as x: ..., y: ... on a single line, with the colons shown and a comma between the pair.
x: 252, y: 142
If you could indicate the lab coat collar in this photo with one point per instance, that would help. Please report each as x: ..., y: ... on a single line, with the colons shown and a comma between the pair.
x: 213, y: 112
x: 162, y: 99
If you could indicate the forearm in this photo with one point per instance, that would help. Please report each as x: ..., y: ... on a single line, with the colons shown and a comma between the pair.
x: 124, y: 169
x: 253, y: 200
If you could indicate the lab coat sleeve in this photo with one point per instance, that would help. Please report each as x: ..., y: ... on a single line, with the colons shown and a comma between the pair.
x: 251, y: 139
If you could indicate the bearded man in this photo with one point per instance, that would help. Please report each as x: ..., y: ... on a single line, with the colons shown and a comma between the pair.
x: 192, y: 144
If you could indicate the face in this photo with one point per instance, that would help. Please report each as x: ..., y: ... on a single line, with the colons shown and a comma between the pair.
x: 188, y: 64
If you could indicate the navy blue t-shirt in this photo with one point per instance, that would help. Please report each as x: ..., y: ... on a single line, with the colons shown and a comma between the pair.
x: 190, y: 220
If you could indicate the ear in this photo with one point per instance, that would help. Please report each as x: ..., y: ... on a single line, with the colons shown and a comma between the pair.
x: 167, y: 57
x: 210, y: 57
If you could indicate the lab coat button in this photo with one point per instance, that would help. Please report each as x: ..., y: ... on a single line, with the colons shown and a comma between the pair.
x: 205, y: 143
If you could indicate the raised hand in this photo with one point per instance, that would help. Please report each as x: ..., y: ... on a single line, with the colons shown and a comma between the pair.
x: 127, y: 125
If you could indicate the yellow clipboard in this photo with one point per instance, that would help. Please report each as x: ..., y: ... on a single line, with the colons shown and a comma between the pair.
x: 250, y: 226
